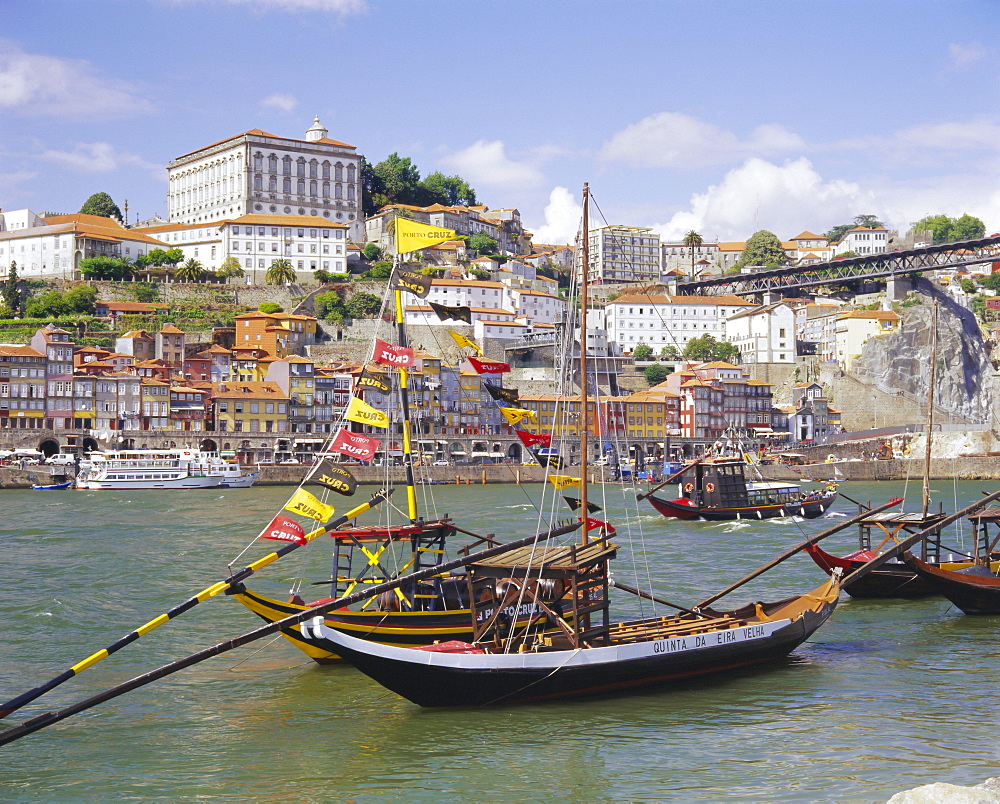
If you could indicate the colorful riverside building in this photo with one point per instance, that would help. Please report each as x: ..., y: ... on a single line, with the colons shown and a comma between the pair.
x: 275, y: 334
x: 22, y: 387
x: 250, y: 407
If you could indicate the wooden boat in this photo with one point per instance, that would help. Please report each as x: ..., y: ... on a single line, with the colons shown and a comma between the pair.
x: 974, y: 589
x: 717, y: 489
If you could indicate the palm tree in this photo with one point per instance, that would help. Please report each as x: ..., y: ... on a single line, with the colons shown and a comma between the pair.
x: 693, y: 240
x: 190, y: 271
x: 280, y: 272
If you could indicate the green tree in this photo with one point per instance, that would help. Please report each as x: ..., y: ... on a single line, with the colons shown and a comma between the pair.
x: 145, y: 292
x: 50, y: 304
x: 173, y: 256
x: 978, y: 306
x: 452, y: 191
x: 158, y: 256
x: 968, y: 286
x: 81, y: 299
x: 670, y: 352
x: 864, y: 221
x: 991, y: 281
x: 482, y: 243
x: 764, y: 248
x: 693, y: 240
x: 967, y: 228
x: 481, y: 274
x: 372, y: 252
x: 399, y: 177
x: 381, y: 270
x: 101, y: 204
x: 105, y: 268
x: 280, y: 272
x: 655, y: 374
x: 143, y: 261
x: 642, y: 351
x: 190, y: 271
x: 326, y: 303
x: 950, y: 230
x: 270, y: 308
x: 363, y: 305
x: 11, y: 289
x: 230, y: 269
x: 707, y: 348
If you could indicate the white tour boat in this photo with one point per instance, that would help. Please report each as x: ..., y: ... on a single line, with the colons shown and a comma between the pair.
x: 161, y: 469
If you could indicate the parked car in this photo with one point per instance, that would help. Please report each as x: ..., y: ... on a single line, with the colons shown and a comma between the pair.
x: 441, y: 463
x: 61, y: 459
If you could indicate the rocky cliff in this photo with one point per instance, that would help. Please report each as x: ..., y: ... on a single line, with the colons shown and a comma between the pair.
x: 900, y: 361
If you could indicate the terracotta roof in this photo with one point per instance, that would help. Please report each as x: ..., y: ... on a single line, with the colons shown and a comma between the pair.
x: 170, y: 329
x: 256, y: 132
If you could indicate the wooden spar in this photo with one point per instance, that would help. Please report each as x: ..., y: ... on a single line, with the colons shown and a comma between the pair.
x: 807, y: 543
x: 11, y: 706
x: 661, y: 601
x: 904, y: 544
x: 670, y: 479
x: 582, y: 421
x: 47, y: 719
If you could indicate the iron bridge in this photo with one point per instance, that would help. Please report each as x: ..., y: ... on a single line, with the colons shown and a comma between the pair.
x: 877, y: 267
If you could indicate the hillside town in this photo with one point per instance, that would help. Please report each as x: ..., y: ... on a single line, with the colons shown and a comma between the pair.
x: 283, y: 215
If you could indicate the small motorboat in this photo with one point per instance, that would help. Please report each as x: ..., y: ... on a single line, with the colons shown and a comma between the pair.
x: 52, y: 486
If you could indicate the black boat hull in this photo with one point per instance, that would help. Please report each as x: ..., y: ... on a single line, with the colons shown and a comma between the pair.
x: 680, y: 510
x: 970, y: 592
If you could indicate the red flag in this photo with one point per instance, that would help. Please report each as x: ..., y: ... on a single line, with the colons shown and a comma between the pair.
x: 600, y: 523
x: 488, y: 366
x: 530, y: 439
x: 389, y: 355
x: 284, y: 529
x: 355, y: 445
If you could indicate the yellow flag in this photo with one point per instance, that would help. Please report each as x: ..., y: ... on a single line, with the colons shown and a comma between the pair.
x: 411, y: 236
x: 360, y: 411
x: 461, y: 340
x: 516, y: 415
x: 562, y: 481
x: 302, y: 502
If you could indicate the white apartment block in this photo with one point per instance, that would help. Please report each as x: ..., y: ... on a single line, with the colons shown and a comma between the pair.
x: 310, y: 244
x: 816, y: 323
x: 260, y: 173
x: 52, y: 247
x: 541, y: 308
x: 763, y: 334
x: 660, y: 321
x: 622, y: 255
x: 863, y: 241
x: 678, y: 257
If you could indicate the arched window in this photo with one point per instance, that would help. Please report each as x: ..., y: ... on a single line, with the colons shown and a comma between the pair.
x: 272, y: 163
x: 286, y: 186
x: 326, y: 170
x: 258, y: 160
x: 286, y: 165
x: 339, y: 172
x: 301, y: 166
x: 302, y: 187
x: 313, y: 169
x: 351, y: 170
x: 312, y: 189
x: 326, y: 189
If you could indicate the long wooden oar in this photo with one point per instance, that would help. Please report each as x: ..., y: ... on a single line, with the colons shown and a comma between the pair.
x: 14, y: 704
x: 799, y: 548
x: 670, y: 479
x: 47, y: 719
x: 904, y: 544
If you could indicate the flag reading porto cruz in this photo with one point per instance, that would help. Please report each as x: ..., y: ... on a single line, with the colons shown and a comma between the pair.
x: 412, y: 236
x: 574, y: 503
x: 562, y: 481
x: 547, y: 460
x: 488, y: 366
x: 516, y: 415
x: 463, y: 313
x: 510, y: 395
x: 304, y: 503
x: 461, y: 340
x: 374, y: 379
x: 283, y: 529
x: 412, y: 282
x: 355, y: 445
x: 531, y: 439
x: 336, y: 478
x: 389, y: 355
x: 363, y: 413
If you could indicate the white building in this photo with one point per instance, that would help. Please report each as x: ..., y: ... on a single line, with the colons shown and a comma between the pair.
x: 808, y: 249
x: 52, y: 247
x: 863, y: 241
x: 678, y: 257
x: 260, y: 173
x: 763, y: 334
x: 660, y: 321
x: 310, y: 244
x: 622, y: 255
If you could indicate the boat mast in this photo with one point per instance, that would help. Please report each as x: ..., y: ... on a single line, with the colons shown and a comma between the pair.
x: 404, y: 394
x: 926, y: 491
x: 582, y: 419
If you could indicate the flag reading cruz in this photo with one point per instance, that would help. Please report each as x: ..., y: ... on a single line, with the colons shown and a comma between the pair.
x: 412, y: 282
x: 304, y: 503
x: 336, y: 478
x: 488, y: 366
x: 355, y: 445
x: 412, y: 236
x: 283, y: 529
x: 389, y: 355
x: 462, y: 341
x: 363, y: 413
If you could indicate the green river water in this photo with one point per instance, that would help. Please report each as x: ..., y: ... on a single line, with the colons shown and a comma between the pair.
x: 885, y: 697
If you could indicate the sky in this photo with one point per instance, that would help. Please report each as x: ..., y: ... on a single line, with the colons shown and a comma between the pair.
x: 717, y: 116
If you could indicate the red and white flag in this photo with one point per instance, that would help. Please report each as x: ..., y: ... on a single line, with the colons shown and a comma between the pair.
x: 284, y: 529
x: 355, y: 445
x: 389, y: 355
x: 531, y: 439
x: 600, y: 523
x: 488, y: 366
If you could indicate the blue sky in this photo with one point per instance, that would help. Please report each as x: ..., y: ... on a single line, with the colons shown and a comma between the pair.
x: 724, y: 117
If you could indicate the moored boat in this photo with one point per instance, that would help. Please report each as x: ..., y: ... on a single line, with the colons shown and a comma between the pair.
x: 128, y: 470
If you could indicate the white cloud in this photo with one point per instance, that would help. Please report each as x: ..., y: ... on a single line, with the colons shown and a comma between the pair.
x: 964, y: 55
x: 70, y: 88
x: 9, y: 182
x: 562, y: 219
x: 285, y: 103
x: 674, y: 140
x: 99, y: 157
x: 784, y: 199
x: 342, y: 7
x: 486, y: 164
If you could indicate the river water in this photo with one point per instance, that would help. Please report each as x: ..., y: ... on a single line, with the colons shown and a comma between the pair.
x: 885, y: 697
